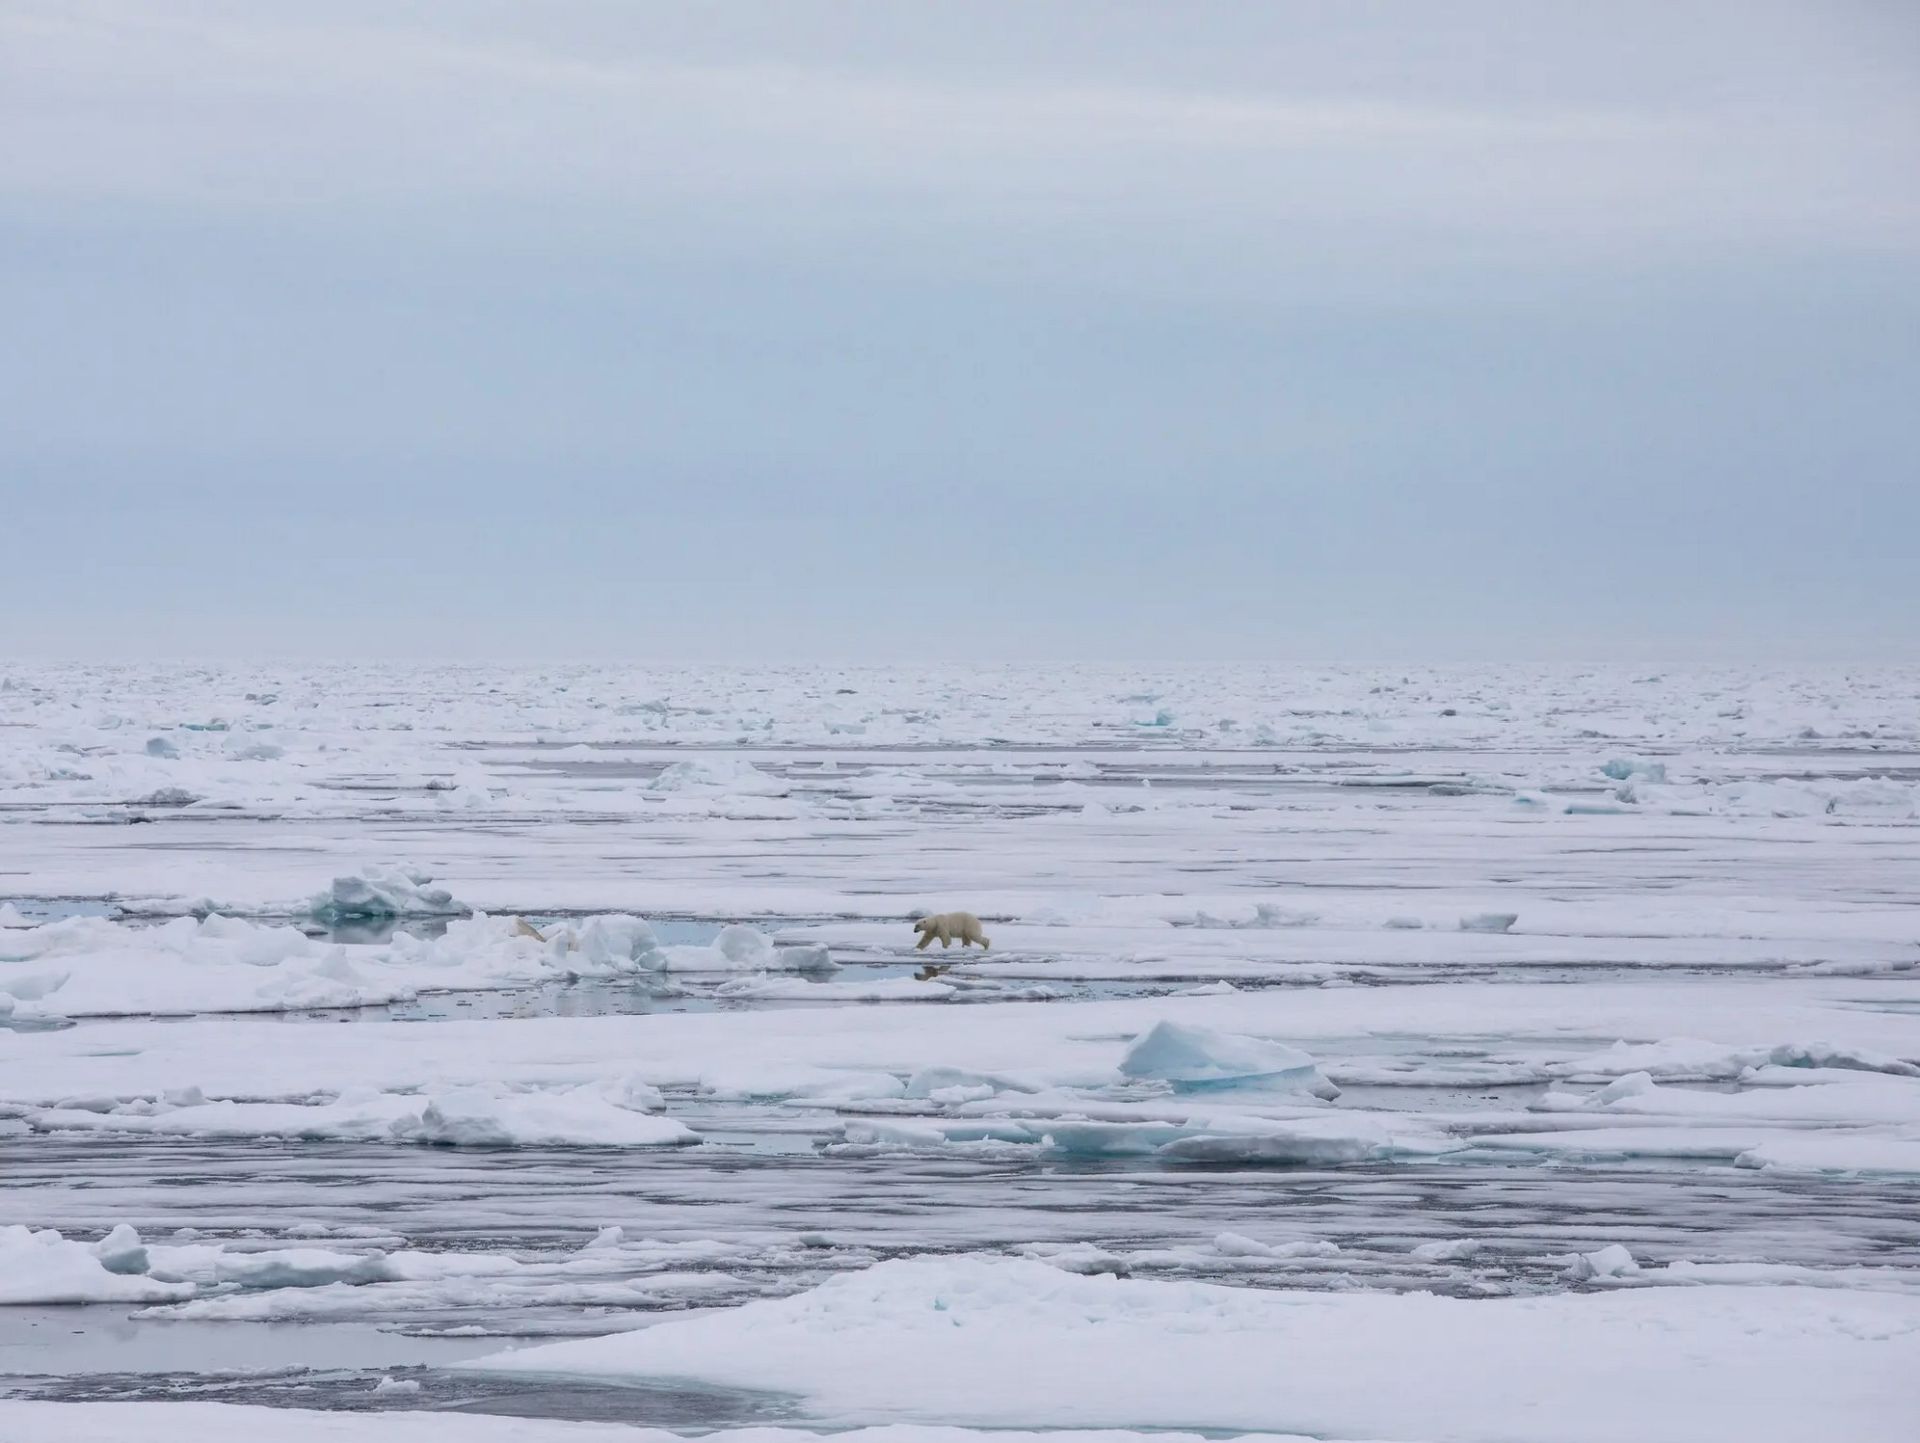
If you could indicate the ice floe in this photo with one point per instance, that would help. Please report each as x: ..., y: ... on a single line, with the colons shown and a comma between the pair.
x: 382, y: 892
x: 1010, y: 1342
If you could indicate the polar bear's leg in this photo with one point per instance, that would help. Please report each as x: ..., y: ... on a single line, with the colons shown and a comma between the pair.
x: 926, y: 939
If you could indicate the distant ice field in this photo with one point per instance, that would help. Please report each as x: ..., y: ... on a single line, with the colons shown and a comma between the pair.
x: 363, y: 1028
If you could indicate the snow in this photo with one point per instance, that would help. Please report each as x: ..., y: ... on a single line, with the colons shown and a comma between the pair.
x: 1008, y: 1342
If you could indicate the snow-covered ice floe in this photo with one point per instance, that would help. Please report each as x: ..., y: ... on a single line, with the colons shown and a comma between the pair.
x: 93, y: 967
x: 1006, y: 1342
x: 40, y: 1266
x: 1214, y: 1078
x: 616, y: 1113
x: 193, y: 1279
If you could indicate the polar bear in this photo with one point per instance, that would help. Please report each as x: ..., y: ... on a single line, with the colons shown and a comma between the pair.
x: 947, y: 926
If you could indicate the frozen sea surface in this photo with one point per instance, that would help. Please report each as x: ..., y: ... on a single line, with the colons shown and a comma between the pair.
x: 1608, y: 986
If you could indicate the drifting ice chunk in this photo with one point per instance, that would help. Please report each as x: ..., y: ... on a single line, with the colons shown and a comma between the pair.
x: 1309, y: 1143
x: 1612, y: 1261
x: 1089, y: 1260
x: 43, y: 1267
x: 1239, y: 1245
x: 738, y: 948
x: 167, y: 797
x: 1195, y: 1058
x: 301, y: 1268
x: 743, y: 946
x: 590, y: 1115
x: 121, y: 1251
x: 1624, y: 769
x: 718, y: 774
x: 1446, y: 1252
x: 1489, y: 921
x: 931, y: 1081
x: 812, y: 957
x: 1633, y: 1084
x: 378, y: 892
x: 615, y: 941
x: 1829, y: 1054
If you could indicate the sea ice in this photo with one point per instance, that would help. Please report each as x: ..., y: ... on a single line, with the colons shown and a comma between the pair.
x: 192, y: 1422
x: 1623, y: 769
x: 1612, y: 1261
x: 90, y: 966
x: 43, y: 1267
x: 1194, y: 1058
x: 375, y: 893
x: 716, y: 772
x: 613, y: 1113
x: 1489, y: 922
x: 1013, y: 1342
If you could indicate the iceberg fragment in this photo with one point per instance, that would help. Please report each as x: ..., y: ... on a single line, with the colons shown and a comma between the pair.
x: 1195, y: 1058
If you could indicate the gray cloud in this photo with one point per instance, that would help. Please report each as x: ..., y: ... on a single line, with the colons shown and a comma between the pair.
x: 1208, y: 330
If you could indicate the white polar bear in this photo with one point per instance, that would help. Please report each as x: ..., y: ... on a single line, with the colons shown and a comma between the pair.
x: 947, y: 926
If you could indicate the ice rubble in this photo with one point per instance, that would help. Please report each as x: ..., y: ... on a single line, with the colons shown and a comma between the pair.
x: 1623, y: 769
x: 1012, y: 1342
x: 1860, y: 799
x: 619, y: 1112
x: 189, y: 1278
x: 717, y: 773
x: 43, y: 1267
x: 89, y: 966
x: 93, y: 967
x: 1446, y: 1251
x: 376, y: 893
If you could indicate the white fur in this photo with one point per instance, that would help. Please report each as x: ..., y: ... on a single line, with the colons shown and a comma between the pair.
x: 949, y: 926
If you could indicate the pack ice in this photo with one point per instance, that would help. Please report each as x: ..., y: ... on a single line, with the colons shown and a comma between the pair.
x: 1482, y: 1053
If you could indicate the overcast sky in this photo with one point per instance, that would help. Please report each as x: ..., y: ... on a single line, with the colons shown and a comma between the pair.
x: 1045, y: 330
